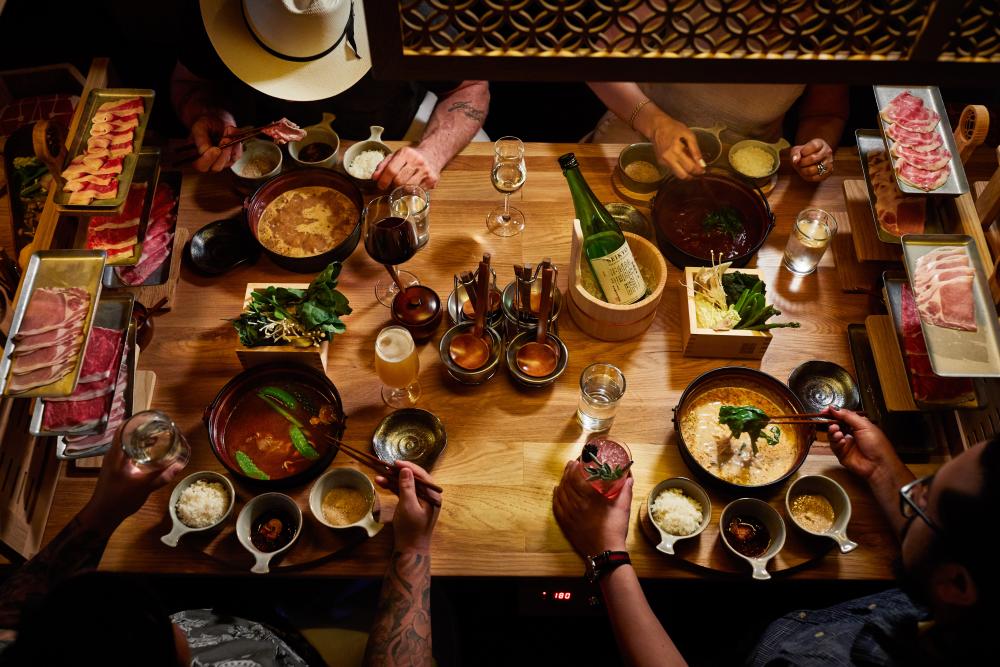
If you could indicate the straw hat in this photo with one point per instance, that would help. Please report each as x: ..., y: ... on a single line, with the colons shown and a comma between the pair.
x: 297, y: 50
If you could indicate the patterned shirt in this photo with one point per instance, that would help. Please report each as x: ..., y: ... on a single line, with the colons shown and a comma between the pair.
x: 229, y: 641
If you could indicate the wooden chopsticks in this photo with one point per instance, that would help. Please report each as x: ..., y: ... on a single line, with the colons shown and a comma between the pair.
x: 806, y: 418
x: 237, y: 138
x: 387, y: 470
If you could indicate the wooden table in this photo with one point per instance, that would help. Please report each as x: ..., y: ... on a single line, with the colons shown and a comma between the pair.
x: 506, y: 446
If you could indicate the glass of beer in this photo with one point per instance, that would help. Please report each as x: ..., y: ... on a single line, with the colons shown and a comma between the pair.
x: 812, y: 233
x: 397, y: 365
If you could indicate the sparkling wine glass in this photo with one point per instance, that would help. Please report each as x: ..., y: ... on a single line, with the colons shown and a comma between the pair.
x: 508, y: 175
x: 390, y: 240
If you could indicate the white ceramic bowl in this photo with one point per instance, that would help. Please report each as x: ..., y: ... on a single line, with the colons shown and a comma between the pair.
x: 692, y: 489
x: 252, y: 510
x: 841, y: 502
x: 257, y: 149
x: 372, y: 143
x: 768, y: 516
x: 351, y: 478
x: 316, y: 133
x: 179, y: 527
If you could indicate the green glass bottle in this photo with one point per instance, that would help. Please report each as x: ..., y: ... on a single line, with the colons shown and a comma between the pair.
x: 607, y: 252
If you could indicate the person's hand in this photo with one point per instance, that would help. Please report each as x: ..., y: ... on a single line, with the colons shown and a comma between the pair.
x: 676, y: 146
x: 407, y: 166
x: 592, y: 523
x: 865, y: 450
x: 807, y: 158
x: 208, y: 130
x: 123, y: 488
x: 414, y: 520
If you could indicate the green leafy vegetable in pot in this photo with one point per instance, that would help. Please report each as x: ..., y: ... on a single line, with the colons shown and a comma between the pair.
x: 749, y: 419
x: 725, y: 220
x: 296, y: 317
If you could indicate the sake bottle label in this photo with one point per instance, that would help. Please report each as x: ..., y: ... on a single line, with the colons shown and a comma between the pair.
x: 619, y: 277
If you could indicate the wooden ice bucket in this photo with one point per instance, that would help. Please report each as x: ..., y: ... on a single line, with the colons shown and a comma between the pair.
x: 606, y: 321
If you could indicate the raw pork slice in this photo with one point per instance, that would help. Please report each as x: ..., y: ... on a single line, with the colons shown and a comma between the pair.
x: 933, y: 159
x: 52, y: 308
x: 86, y: 390
x: 897, y: 213
x: 921, y: 178
x: 918, y: 141
x: 943, y: 285
x: 47, y: 356
x: 908, y: 111
x: 48, y: 339
x: 39, y: 378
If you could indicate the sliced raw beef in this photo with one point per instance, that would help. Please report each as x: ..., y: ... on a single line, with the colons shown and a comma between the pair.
x: 101, y: 355
x: 126, y: 106
x: 933, y: 159
x: 85, y: 181
x: 52, y: 308
x: 921, y: 178
x: 919, y: 141
x: 147, y: 265
x: 158, y: 242
x: 115, y: 419
x: 77, y: 415
x: 86, y: 390
x: 284, y: 131
x: 927, y: 387
x: 909, y: 112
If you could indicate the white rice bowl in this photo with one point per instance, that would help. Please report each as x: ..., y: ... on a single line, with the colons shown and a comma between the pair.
x: 676, y: 512
x: 202, y: 504
x: 364, y: 163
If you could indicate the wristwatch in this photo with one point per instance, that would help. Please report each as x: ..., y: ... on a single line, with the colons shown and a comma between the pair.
x: 604, y: 562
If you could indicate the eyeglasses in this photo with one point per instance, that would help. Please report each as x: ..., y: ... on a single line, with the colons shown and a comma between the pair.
x: 911, y: 499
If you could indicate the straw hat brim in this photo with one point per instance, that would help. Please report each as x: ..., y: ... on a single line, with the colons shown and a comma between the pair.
x: 287, y: 80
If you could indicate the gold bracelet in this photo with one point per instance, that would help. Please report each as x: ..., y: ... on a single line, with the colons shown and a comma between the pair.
x: 635, y: 112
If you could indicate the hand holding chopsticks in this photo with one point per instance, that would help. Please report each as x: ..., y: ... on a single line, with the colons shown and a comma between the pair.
x: 425, y: 489
x: 806, y: 418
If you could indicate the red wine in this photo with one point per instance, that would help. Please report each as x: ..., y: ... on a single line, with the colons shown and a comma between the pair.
x: 391, y: 241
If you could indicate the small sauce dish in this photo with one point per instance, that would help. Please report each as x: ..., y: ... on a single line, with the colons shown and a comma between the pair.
x: 639, y: 169
x: 348, y: 478
x: 753, y: 514
x: 315, y: 148
x: 256, y: 508
x: 691, y: 489
x: 372, y: 143
x: 261, y: 161
x: 179, y: 527
x: 773, y: 150
x: 820, y: 485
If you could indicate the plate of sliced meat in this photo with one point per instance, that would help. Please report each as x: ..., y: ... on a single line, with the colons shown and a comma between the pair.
x: 953, y: 304
x: 895, y: 213
x: 153, y: 265
x: 102, y: 155
x: 920, y: 141
x: 51, y: 323
x: 86, y: 410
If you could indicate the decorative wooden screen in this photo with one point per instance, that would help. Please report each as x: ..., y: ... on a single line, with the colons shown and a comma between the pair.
x: 859, y: 41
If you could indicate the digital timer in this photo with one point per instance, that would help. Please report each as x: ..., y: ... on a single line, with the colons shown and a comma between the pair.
x: 558, y: 595
x: 558, y: 598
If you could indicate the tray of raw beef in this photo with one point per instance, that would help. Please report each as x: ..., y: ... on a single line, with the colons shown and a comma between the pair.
x: 121, y: 234
x: 920, y: 140
x: 84, y: 446
x: 153, y: 265
x: 953, y: 304
x: 51, y: 323
x: 102, y: 155
x: 86, y: 410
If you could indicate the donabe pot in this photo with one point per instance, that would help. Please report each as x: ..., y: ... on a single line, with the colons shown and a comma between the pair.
x: 254, y: 205
x: 217, y: 414
x: 772, y: 388
x: 674, y: 194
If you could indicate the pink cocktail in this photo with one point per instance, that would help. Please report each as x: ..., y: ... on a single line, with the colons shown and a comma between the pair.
x: 606, y: 464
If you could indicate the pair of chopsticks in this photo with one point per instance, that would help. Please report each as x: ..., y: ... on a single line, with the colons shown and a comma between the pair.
x: 231, y: 140
x: 387, y: 470
x: 805, y: 418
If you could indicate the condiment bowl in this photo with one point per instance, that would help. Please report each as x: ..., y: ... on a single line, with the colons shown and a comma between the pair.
x: 820, y: 384
x: 554, y: 341
x: 250, y: 512
x: 179, y: 527
x: 640, y: 152
x: 221, y: 246
x: 418, y: 310
x: 768, y: 516
x: 479, y: 375
x: 774, y: 150
x: 254, y: 151
x: 372, y: 143
x: 692, y: 489
x: 841, y: 502
x: 349, y: 477
x: 321, y: 132
x: 708, y: 141
x: 410, y: 434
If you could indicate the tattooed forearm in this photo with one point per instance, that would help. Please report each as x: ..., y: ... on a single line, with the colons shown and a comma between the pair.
x: 468, y: 110
x: 402, y: 631
x: 74, y: 549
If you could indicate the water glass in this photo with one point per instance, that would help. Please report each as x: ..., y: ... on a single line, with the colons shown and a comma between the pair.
x: 414, y: 202
x: 814, y: 229
x: 152, y: 439
x: 601, y: 388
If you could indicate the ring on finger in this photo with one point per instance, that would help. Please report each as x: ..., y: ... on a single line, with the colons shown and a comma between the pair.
x: 820, y: 168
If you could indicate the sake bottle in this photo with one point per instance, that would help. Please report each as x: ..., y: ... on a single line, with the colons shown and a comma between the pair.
x: 604, y: 245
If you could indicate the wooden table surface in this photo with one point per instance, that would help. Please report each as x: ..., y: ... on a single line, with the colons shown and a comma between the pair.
x: 506, y: 446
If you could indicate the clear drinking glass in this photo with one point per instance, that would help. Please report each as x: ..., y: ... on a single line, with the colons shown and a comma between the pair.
x: 508, y: 175
x: 150, y: 438
x: 390, y: 239
x: 814, y: 229
x: 601, y: 388
x: 415, y: 202
x: 397, y: 366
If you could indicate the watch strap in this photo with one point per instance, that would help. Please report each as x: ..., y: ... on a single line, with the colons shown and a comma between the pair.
x: 604, y: 562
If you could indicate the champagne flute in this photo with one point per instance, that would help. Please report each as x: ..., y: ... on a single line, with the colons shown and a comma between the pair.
x: 508, y: 175
x: 389, y: 240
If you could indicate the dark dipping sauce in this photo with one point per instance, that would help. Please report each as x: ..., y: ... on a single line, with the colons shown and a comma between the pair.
x: 686, y: 228
x: 272, y: 530
x: 747, y: 535
x: 315, y: 152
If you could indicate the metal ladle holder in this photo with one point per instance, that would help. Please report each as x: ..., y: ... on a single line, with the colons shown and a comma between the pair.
x: 463, y: 293
x: 521, y: 316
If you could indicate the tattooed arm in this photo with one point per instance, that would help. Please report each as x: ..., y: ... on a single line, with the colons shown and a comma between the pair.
x: 455, y: 120
x: 121, y: 490
x: 402, y: 631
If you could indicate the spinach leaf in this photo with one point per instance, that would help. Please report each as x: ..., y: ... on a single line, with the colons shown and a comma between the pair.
x: 726, y: 220
x: 735, y: 283
x: 749, y: 419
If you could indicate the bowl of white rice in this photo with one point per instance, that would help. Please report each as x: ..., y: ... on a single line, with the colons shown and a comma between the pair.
x: 200, y: 502
x: 679, y: 509
x: 363, y: 157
